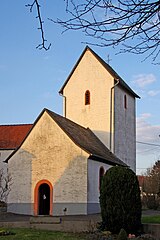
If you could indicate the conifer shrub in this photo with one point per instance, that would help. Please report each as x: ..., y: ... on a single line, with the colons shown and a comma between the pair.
x: 120, y: 201
x: 122, y: 235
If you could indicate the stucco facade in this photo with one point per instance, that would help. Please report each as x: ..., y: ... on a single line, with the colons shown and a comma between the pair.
x: 3, y: 155
x: 90, y: 75
x: 124, y: 127
x: 93, y: 179
x: 106, y: 114
x: 49, y: 154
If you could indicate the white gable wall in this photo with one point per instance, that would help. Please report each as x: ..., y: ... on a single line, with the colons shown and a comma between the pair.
x: 90, y: 75
x: 49, y: 154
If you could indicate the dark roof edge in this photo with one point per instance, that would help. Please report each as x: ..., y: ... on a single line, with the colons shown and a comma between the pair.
x: 84, y: 149
x: 76, y: 64
x: 106, y: 65
x: 104, y: 160
x: 50, y: 114
x: 16, y: 124
x: 5, y: 149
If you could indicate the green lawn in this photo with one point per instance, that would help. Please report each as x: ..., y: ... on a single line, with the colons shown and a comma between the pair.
x: 151, y: 219
x: 32, y: 234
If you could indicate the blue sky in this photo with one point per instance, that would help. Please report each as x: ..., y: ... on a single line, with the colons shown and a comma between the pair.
x: 30, y: 79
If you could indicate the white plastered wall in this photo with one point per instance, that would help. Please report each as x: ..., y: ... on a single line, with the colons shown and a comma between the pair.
x: 48, y: 153
x: 90, y: 75
x: 93, y: 184
x: 124, y: 128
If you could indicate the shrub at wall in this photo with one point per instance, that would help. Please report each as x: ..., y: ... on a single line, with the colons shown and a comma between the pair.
x: 120, y: 200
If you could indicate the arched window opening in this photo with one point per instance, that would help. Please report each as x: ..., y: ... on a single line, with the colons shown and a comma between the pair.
x: 101, y: 174
x: 87, y: 97
x: 125, y: 101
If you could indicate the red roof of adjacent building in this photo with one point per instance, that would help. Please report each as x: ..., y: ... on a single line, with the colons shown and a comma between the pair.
x: 141, y: 179
x: 11, y: 136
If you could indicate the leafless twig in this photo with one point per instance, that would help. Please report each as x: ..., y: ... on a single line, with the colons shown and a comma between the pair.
x: 37, y: 5
x: 135, y: 24
x: 5, y: 185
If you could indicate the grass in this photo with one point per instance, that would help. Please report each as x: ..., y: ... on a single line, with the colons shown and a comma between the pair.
x: 33, y: 234
x: 151, y: 219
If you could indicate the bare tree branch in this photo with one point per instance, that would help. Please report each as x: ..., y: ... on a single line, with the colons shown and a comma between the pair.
x: 43, y: 44
x: 5, y: 185
x: 135, y: 24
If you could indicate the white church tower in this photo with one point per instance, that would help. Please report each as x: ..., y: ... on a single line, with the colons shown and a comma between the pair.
x: 95, y: 96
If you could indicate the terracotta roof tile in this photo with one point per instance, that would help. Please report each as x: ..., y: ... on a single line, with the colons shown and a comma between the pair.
x: 11, y: 136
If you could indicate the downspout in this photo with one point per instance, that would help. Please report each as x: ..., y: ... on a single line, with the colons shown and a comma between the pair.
x: 64, y: 104
x: 110, y: 147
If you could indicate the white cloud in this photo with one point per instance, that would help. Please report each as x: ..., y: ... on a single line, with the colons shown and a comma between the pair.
x: 153, y: 93
x: 142, y: 80
x: 146, y: 132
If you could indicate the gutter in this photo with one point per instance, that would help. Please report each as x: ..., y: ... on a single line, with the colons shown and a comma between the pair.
x: 110, y: 144
x: 64, y: 104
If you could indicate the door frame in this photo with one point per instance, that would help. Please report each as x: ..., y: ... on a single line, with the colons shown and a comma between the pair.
x: 36, y: 196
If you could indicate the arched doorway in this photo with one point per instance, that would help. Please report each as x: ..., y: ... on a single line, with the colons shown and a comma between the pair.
x: 43, y: 198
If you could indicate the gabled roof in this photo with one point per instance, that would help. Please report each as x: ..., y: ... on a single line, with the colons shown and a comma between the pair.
x: 83, y: 138
x: 11, y: 136
x: 107, y: 67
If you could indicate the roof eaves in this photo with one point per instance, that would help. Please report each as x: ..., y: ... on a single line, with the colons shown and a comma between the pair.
x: 5, y: 149
x: 105, y: 160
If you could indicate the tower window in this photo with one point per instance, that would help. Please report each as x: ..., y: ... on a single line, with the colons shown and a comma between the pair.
x: 125, y: 101
x: 87, y: 97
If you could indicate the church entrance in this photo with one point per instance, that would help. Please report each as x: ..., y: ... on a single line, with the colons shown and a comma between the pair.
x: 44, y: 199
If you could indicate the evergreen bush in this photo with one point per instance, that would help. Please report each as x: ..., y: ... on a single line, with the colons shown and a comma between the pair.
x: 122, y: 235
x: 120, y: 200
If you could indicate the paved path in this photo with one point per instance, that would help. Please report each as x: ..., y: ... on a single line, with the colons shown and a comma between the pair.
x: 11, y: 217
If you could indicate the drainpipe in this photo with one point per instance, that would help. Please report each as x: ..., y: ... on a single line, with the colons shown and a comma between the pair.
x: 110, y: 147
x: 64, y: 104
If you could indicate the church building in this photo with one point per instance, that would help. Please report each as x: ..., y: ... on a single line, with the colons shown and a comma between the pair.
x: 57, y: 163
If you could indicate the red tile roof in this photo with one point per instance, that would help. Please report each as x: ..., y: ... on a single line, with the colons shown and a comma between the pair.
x: 141, y: 179
x: 11, y: 136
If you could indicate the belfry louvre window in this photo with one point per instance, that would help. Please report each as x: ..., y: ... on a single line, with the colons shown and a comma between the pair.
x: 125, y: 101
x: 87, y: 97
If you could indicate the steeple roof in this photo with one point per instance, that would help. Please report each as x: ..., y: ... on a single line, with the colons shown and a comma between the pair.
x: 122, y: 83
